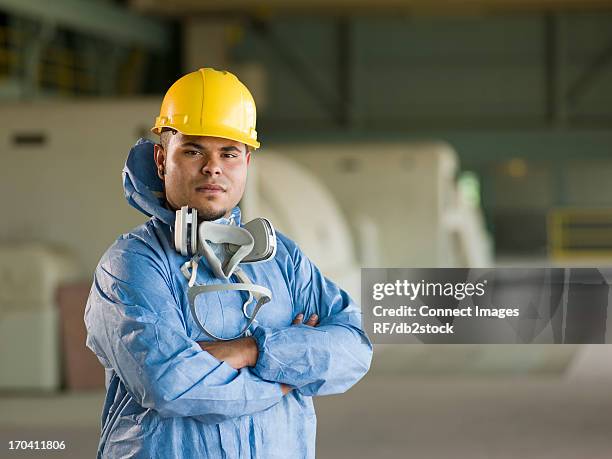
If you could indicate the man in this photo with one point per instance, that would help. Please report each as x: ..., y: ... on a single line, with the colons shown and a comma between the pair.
x: 173, y: 392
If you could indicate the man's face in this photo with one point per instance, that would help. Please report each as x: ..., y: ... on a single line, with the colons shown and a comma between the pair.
x: 205, y: 173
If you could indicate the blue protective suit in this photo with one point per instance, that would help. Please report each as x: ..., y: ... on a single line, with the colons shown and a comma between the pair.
x: 166, y: 398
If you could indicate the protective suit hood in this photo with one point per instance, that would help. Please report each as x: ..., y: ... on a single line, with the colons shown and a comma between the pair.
x: 144, y: 190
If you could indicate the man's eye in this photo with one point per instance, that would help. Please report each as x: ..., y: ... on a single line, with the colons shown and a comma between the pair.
x: 230, y: 155
x: 192, y: 153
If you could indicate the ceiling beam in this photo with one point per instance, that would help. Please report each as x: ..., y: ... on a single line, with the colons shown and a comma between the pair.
x: 355, y: 7
x: 96, y: 18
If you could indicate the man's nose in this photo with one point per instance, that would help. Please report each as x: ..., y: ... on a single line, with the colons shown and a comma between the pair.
x: 212, y: 166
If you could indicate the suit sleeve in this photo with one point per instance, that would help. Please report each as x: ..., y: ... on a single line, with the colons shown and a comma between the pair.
x: 136, y: 328
x: 327, y: 359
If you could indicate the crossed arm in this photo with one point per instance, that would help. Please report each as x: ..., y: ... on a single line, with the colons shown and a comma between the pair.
x: 243, y: 352
x: 136, y: 329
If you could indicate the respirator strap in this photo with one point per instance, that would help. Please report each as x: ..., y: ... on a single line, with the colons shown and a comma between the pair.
x: 258, y: 290
x: 193, y: 264
x: 242, y: 277
x: 264, y: 294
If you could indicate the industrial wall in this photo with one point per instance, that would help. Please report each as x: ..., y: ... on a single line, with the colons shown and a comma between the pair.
x: 62, y: 173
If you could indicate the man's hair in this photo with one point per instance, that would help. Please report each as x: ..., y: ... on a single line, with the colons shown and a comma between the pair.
x: 164, y: 137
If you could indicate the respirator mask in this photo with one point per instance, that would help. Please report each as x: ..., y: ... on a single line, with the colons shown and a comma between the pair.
x: 225, y: 247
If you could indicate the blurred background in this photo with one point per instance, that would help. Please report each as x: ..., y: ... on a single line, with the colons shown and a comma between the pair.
x: 395, y: 133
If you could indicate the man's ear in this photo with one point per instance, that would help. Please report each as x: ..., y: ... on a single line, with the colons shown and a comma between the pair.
x: 160, y: 160
x: 248, y: 156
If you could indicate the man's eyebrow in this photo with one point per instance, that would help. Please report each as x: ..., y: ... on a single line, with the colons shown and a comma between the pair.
x: 231, y: 148
x: 193, y: 145
x: 198, y: 146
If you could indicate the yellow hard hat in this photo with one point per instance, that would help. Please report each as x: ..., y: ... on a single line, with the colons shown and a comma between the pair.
x: 212, y: 103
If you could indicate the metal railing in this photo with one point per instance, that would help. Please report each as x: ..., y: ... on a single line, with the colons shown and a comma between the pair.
x: 61, y: 70
x: 579, y: 233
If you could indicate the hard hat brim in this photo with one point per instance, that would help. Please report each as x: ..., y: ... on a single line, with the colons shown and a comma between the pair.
x: 220, y: 133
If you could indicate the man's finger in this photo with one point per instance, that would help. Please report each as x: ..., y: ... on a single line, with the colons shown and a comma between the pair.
x: 298, y: 319
x: 313, y: 320
x: 286, y: 389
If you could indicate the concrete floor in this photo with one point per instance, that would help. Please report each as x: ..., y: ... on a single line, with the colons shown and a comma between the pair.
x: 467, y: 419
x: 389, y: 415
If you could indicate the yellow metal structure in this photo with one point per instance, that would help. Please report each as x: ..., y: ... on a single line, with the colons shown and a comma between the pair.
x: 575, y: 233
x: 211, y: 103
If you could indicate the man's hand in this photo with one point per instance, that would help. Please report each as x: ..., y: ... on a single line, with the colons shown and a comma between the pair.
x: 312, y: 321
x: 286, y: 389
x: 238, y: 353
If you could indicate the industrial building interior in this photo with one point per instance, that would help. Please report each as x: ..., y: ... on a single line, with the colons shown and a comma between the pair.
x: 395, y: 133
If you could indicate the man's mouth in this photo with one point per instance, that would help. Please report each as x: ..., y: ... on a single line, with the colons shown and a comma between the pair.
x: 213, y: 189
